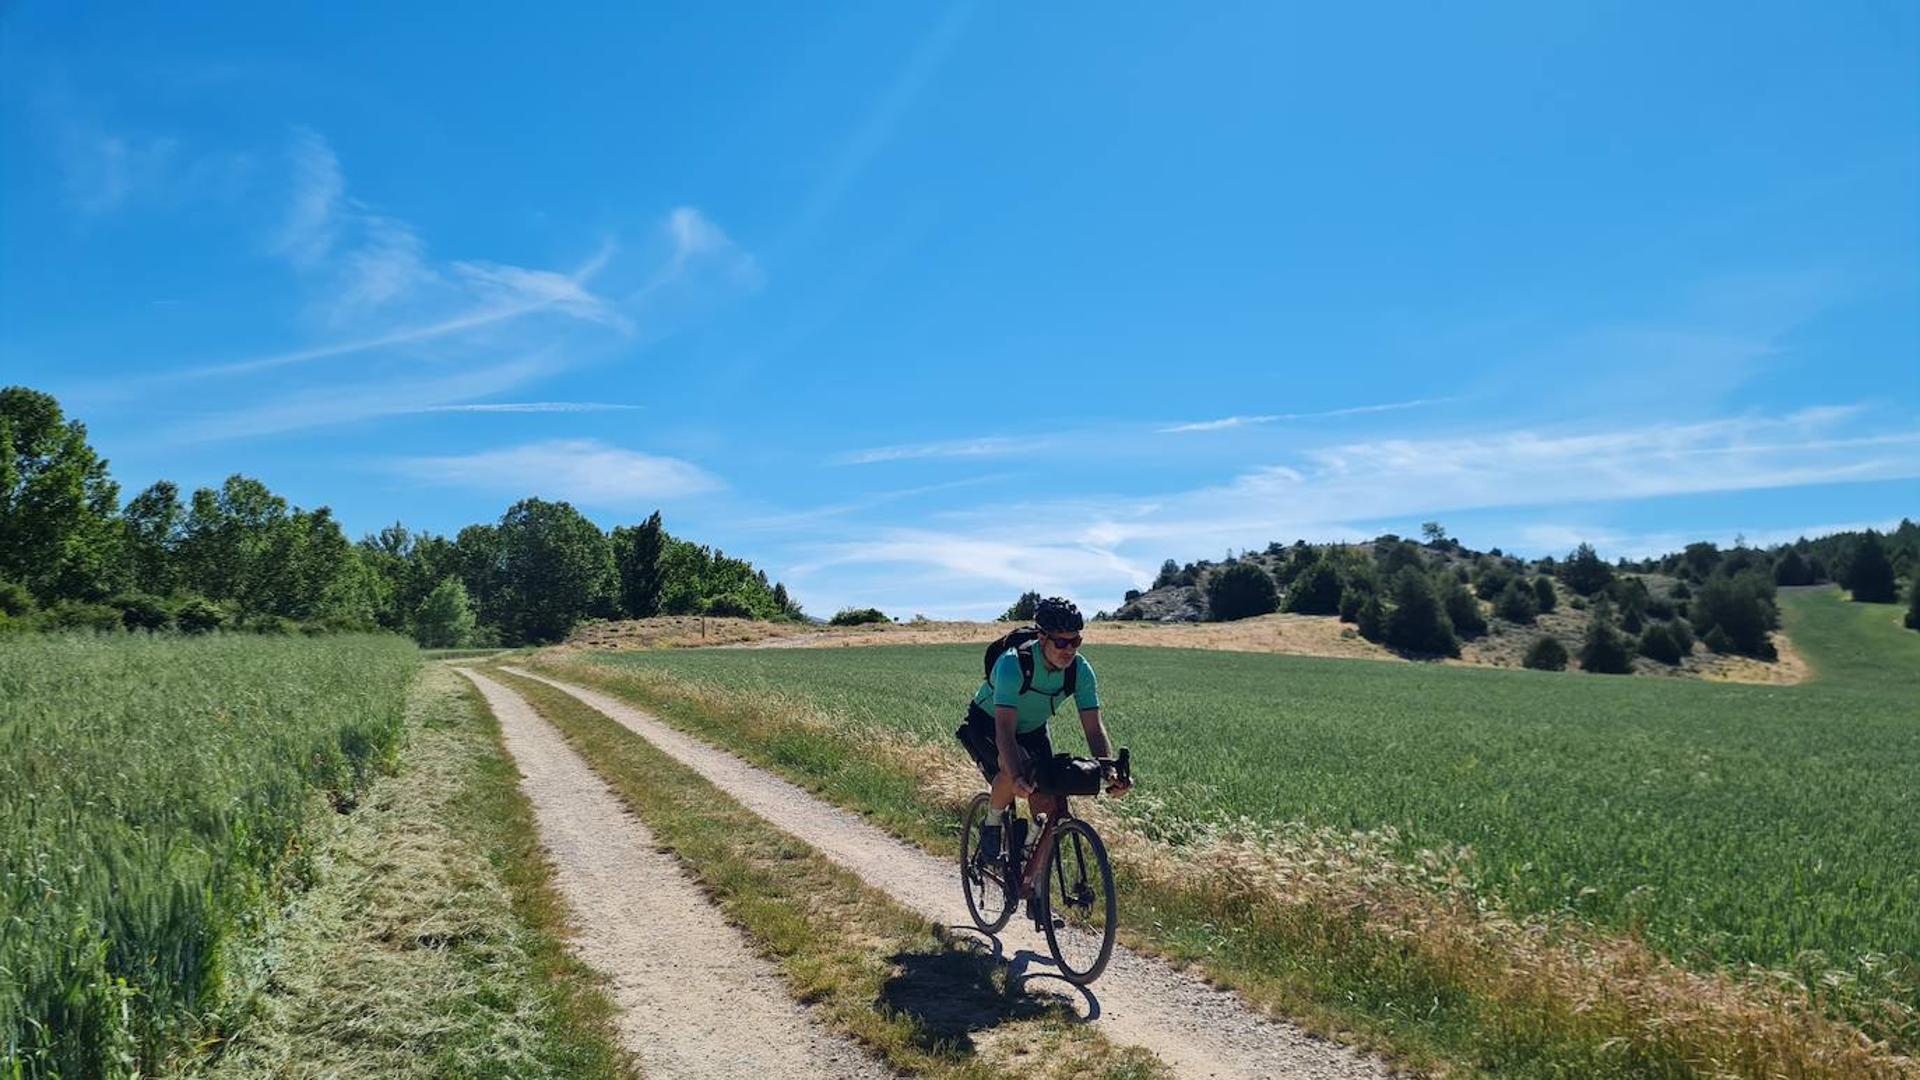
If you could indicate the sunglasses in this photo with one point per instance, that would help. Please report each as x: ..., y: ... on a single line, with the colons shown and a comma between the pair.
x: 1064, y: 642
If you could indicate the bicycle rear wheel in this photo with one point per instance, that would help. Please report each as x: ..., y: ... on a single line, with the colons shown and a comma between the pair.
x: 985, y: 881
x: 1079, y: 896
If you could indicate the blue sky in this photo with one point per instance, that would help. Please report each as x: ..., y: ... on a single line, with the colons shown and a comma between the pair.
x: 918, y: 306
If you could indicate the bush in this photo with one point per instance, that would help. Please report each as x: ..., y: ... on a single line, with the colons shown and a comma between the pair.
x: 1131, y: 596
x: 1585, y: 572
x: 1241, y: 591
x: 444, y: 619
x: 730, y: 606
x: 1516, y: 602
x: 1029, y: 602
x: 1793, y: 569
x: 1316, y: 591
x: 1680, y: 591
x: 76, y: 615
x: 267, y: 624
x: 198, y: 615
x: 1546, y: 654
x: 1741, y: 608
x: 1656, y: 643
x: 1545, y: 595
x: 1682, y: 632
x: 1371, y: 618
x: 856, y: 617
x: 1418, y: 622
x: 1492, y: 580
x: 142, y: 611
x: 15, y: 600
x: 1913, y: 604
x: 1603, y: 650
x: 1870, y: 574
x: 1463, y: 611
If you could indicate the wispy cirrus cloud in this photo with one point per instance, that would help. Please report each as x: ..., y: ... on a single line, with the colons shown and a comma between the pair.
x: 583, y: 471
x: 992, y: 446
x: 1226, y: 422
x: 532, y: 407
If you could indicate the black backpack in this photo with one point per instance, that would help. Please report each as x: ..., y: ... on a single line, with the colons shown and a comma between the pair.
x: 1021, y: 641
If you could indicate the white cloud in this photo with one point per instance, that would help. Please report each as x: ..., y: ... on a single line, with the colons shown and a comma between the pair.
x: 583, y: 471
x: 1273, y: 418
x: 994, y: 446
x: 318, y: 198
x: 532, y: 407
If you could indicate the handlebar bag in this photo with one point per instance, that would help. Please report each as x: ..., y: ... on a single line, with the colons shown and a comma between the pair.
x: 1065, y: 774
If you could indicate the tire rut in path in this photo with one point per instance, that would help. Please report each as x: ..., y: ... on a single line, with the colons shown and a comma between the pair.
x: 694, y: 1000
x: 1141, y: 1001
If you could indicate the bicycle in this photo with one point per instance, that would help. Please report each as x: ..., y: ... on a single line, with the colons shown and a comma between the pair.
x: 1076, y: 908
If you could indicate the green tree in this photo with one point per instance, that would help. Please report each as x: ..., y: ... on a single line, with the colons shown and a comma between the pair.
x: 1317, y: 590
x: 1793, y: 569
x: 1585, y: 572
x: 555, y: 569
x: 1546, y: 654
x: 1433, y: 533
x: 58, y: 536
x: 1418, y: 622
x: 150, y: 529
x: 1913, y: 604
x: 1517, y: 602
x: 1657, y: 643
x: 1870, y: 573
x: 476, y: 558
x: 1463, y: 611
x: 1371, y: 617
x: 1169, y: 570
x: 445, y: 618
x: 1735, y: 614
x: 1241, y: 591
x: 1545, y: 595
x: 636, y: 558
x: 1023, y: 609
x: 1603, y: 650
x: 856, y: 617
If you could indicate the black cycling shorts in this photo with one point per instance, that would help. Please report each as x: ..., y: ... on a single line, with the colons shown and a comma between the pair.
x: 977, y: 735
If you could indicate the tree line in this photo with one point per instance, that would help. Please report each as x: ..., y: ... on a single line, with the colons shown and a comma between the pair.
x: 239, y: 557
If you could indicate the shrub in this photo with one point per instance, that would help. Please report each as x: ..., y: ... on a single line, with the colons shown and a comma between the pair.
x: 445, y: 617
x: 77, y: 615
x: 1418, y: 622
x: 1680, y: 591
x: 1913, y: 604
x: 1682, y: 632
x: 1029, y: 602
x: 1131, y: 596
x: 198, y: 615
x: 15, y: 600
x: 1463, y: 611
x: 1316, y: 591
x: 142, y: 611
x: 1585, y: 572
x: 1658, y: 608
x: 1241, y: 591
x: 267, y: 624
x: 856, y: 617
x: 1741, y: 608
x: 1546, y: 654
x: 1656, y: 643
x: 1492, y: 580
x: 1130, y: 613
x: 1793, y: 569
x: 731, y: 606
x: 1545, y: 595
x: 1516, y: 602
x: 1603, y: 650
x: 1371, y: 618
x: 1870, y: 574
x: 1168, y: 571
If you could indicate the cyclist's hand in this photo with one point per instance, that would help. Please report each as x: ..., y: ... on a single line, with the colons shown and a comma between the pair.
x: 1017, y: 767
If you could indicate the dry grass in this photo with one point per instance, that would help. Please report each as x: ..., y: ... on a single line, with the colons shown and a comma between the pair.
x: 1604, y: 1003
x: 1284, y: 633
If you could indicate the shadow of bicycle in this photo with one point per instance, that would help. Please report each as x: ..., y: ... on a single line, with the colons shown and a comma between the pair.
x: 971, y: 986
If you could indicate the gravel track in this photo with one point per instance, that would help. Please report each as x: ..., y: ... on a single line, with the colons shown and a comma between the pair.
x: 694, y: 1000
x: 1199, y: 1030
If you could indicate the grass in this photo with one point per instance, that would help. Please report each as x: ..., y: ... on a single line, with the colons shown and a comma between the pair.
x: 432, y: 943
x: 928, y: 1005
x: 1722, y: 826
x: 156, y: 799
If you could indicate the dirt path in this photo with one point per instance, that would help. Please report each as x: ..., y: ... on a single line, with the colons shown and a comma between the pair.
x: 1141, y: 1001
x: 694, y: 1000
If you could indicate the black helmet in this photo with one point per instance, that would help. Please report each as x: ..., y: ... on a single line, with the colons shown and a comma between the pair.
x: 1057, y: 615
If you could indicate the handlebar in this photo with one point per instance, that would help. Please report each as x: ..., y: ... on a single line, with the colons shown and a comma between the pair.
x: 1118, y: 769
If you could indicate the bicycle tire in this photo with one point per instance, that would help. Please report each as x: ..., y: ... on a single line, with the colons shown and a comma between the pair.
x: 974, y: 879
x: 1076, y: 843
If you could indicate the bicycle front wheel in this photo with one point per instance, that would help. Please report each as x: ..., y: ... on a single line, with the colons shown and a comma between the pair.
x: 984, y: 879
x: 1079, y: 898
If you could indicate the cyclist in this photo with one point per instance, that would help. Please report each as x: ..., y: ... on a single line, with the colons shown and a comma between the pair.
x: 1006, y: 729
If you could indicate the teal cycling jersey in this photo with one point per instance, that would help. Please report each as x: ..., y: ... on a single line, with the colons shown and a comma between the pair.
x: 1035, y: 707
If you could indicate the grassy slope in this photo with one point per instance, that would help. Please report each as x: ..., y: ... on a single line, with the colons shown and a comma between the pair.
x: 431, y: 942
